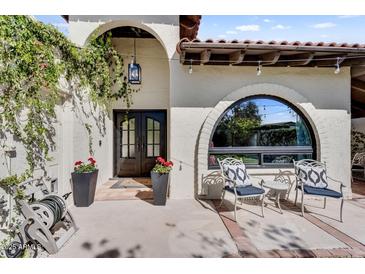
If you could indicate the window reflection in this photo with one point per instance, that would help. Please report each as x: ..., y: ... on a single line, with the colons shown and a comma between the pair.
x: 261, y: 125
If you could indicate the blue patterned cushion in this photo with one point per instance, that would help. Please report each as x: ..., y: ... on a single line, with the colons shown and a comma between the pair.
x: 313, y: 176
x: 321, y: 192
x: 246, y: 190
x: 237, y: 173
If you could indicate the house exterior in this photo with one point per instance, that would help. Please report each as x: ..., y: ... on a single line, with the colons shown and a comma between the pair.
x: 189, y: 87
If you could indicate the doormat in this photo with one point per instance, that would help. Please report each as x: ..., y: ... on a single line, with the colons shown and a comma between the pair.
x: 132, y: 183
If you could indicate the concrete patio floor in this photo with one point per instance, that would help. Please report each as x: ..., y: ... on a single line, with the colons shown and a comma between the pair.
x: 136, y: 228
x: 190, y: 228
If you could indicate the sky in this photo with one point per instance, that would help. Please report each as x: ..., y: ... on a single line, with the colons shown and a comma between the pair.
x: 347, y: 28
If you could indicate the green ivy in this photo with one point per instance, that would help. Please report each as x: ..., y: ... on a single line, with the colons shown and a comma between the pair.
x: 33, y: 59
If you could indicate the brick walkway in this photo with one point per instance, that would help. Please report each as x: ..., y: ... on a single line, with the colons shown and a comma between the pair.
x: 248, y: 250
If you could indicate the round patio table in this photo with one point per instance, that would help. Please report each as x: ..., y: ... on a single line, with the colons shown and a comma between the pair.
x: 275, y: 190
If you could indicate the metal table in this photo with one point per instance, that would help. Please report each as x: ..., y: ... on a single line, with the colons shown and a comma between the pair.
x: 276, y: 188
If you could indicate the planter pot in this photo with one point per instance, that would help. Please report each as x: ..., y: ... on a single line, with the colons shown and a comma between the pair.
x: 159, y: 185
x: 83, y: 188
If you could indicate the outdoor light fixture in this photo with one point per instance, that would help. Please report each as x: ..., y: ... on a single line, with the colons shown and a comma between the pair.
x: 258, y: 69
x: 191, y: 67
x: 134, y: 69
x: 338, y: 70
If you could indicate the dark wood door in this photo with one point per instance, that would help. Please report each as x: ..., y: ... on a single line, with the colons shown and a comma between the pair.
x: 140, y: 138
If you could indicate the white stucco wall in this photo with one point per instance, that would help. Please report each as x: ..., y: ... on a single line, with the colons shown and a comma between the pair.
x: 196, y: 99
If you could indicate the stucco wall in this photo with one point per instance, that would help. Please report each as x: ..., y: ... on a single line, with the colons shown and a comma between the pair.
x: 199, y: 98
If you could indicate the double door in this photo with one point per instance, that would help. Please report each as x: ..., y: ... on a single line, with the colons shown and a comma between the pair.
x: 140, y: 138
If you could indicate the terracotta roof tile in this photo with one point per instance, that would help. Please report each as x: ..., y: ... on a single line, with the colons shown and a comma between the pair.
x: 274, y: 42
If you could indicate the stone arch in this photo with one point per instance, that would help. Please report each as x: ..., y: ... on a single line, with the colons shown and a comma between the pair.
x: 275, y: 90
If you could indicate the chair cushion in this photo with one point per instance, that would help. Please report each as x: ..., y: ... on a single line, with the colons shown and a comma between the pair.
x: 246, y: 190
x: 237, y: 173
x: 321, y: 192
x: 313, y: 176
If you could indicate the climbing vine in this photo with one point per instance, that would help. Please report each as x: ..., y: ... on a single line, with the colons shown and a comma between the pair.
x: 35, y: 61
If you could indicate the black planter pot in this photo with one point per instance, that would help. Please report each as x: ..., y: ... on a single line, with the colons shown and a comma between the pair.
x: 83, y: 188
x: 159, y: 185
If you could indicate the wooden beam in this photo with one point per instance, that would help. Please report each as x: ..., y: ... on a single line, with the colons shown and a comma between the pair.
x: 205, y: 56
x: 269, y: 58
x: 237, y: 57
x: 358, y: 85
x: 305, y: 59
x: 357, y: 72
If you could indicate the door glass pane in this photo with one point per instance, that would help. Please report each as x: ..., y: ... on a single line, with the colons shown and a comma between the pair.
x: 156, y: 150
x: 131, y: 137
x: 150, y: 137
x: 132, y: 124
x: 149, y: 124
x: 149, y: 150
x: 124, y: 151
x: 157, y: 137
x: 132, y: 151
x: 157, y: 125
x: 124, y: 137
x: 125, y: 125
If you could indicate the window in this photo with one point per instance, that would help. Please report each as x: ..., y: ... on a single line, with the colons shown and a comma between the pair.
x: 263, y: 131
x: 153, y: 138
x: 127, y: 131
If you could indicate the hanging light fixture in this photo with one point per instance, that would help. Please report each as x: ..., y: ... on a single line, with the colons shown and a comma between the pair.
x: 338, y: 70
x: 134, y: 69
x: 191, y: 67
x: 258, y: 69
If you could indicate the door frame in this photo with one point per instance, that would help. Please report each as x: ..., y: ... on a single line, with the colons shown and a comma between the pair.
x: 115, y: 134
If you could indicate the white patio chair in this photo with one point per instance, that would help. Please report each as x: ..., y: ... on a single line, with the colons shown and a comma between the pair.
x: 238, y: 182
x: 358, y: 164
x: 312, y: 180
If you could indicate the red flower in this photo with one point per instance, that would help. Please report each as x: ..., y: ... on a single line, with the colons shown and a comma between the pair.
x: 168, y: 164
x: 160, y: 160
x: 77, y: 163
x: 91, y: 160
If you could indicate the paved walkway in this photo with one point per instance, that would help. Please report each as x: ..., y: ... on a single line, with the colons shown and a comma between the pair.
x: 136, y: 228
x: 319, y: 234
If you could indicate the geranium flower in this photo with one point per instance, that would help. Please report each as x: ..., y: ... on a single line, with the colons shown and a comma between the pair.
x: 92, y: 160
x: 77, y: 163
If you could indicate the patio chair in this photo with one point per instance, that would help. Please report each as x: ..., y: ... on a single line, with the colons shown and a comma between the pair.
x: 238, y: 182
x: 358, y: 165
x: 312, y: 180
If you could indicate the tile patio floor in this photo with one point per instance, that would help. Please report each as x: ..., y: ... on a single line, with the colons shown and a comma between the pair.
x: 188, y: 228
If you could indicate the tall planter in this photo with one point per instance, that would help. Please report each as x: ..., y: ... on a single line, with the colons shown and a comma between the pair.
x: 83, y: 188
x: 159, y: 185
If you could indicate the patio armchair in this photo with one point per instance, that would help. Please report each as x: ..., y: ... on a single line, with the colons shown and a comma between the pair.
x: 238, y: 182
x: 312, y: 180
x: 358, y: 165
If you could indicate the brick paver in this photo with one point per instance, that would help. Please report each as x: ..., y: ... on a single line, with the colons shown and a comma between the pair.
x: 248, y: 250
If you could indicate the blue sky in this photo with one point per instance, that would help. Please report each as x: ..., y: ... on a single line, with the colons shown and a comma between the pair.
x: 303, y: 28
x: 285, y: 27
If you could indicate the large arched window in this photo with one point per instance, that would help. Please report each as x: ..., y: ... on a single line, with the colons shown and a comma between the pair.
x: 263, y: 131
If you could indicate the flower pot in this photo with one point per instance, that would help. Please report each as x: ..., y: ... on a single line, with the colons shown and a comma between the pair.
x: 83, y: 188
x: 159, y: 185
